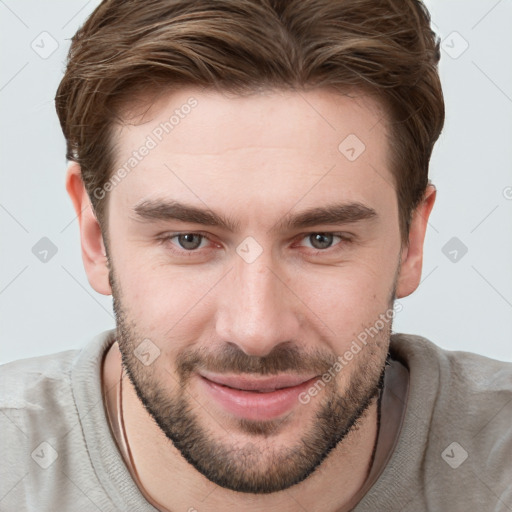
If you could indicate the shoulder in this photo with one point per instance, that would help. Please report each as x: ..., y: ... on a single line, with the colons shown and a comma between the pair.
x: 36, y: 408
x: 43, y: 403
x: 461, y: 405
x: 36, y: 397
x: 456, y: 372
x: 36, y: 394
x: 25, y: 383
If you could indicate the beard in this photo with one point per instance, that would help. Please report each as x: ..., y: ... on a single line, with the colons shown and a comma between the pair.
x: 255, y: 463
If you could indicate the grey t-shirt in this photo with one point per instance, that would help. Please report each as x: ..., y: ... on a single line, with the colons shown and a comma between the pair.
x: 453, y: 451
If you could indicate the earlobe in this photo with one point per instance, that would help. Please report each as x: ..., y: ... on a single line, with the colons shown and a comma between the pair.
x: 412, y: 254
x: 91, y: 238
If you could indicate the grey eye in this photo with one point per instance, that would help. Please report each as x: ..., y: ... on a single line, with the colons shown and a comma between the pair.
x: 321, y: 240
x: 190, y: 241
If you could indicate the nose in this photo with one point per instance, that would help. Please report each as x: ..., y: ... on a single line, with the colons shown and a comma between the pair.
x: 258, y: 309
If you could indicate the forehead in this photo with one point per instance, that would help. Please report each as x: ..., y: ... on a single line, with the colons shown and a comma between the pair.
x: 269, y: 144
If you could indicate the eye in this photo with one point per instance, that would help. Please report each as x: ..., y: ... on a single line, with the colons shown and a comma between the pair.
x: 324, y: 241
x: 185, y: 242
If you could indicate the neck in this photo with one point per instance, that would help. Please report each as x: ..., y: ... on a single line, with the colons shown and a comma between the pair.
x: 154, y: 462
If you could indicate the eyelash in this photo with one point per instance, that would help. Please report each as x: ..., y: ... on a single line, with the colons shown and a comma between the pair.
x: 345, y: 239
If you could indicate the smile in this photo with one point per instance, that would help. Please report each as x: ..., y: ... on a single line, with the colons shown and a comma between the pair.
x: 257, y: 399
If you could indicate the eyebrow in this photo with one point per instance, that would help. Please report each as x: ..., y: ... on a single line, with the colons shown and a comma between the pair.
x: 332, y: 214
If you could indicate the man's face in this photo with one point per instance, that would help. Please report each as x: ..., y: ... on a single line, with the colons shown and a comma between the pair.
x: 210, y: 322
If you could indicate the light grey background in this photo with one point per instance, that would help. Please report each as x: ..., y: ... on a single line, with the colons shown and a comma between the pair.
x: 464, y: 304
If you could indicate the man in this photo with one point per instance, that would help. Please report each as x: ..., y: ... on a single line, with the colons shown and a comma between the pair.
x: 251, y: 183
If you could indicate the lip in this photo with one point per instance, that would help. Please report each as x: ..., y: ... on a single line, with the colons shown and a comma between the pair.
x: 256, y: 399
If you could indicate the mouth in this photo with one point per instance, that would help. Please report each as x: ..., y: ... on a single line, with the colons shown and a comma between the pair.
x: 257, y: 399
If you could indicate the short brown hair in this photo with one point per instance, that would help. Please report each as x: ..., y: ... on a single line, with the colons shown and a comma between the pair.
x: 126, y: 47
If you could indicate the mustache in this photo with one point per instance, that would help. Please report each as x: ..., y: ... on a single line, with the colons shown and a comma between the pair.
x: 282, y: 358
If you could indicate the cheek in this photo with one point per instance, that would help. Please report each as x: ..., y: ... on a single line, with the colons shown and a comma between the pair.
x: 346, y: 300
x: 163, y: 300
x: 355, y: 307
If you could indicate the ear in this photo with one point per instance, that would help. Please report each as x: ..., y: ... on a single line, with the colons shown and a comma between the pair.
x: 93, y: 248
x: 412, y: 254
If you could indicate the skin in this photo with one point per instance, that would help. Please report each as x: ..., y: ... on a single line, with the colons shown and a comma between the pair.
x: 254, y: 159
